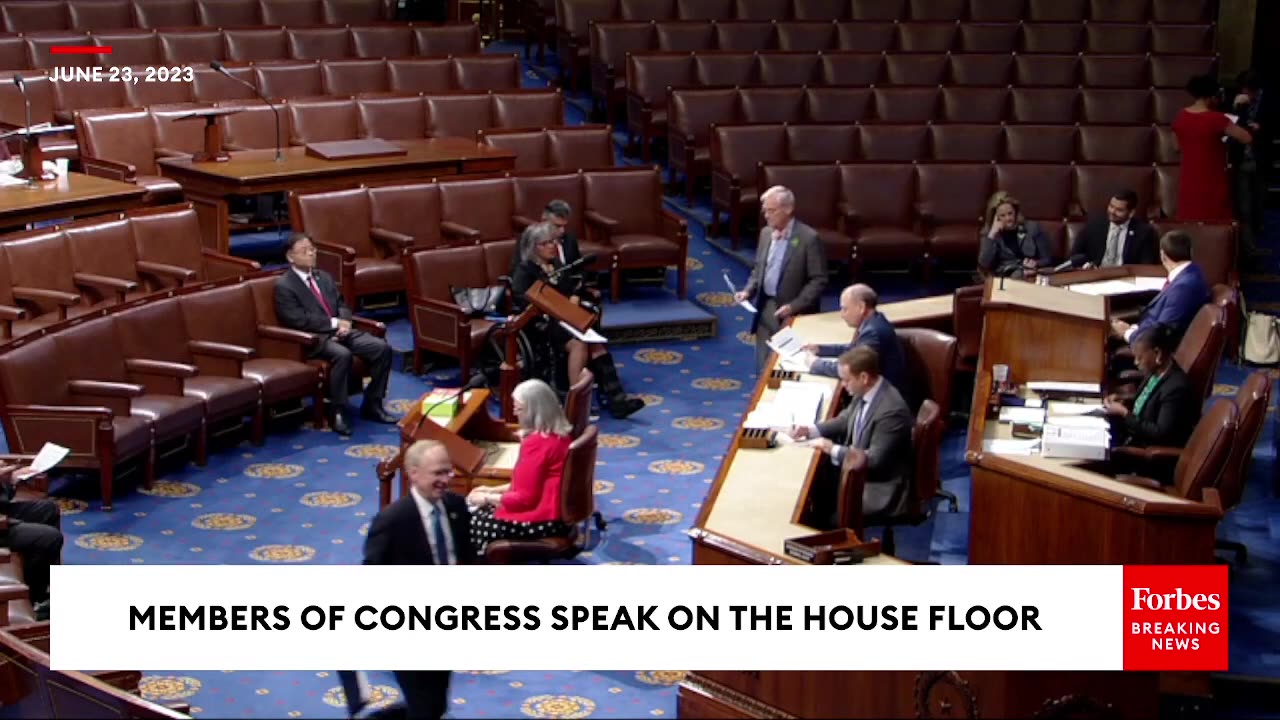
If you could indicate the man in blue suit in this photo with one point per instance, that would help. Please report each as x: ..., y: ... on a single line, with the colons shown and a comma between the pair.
x: 1184, y: 293
x: 871, y: 329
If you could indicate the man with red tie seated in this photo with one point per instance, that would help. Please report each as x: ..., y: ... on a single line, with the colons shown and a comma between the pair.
x: 307, y: 299
x: 429, y: 526
x: 1184, y: 293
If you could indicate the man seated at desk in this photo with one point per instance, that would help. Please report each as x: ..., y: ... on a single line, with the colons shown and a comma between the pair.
x: 1166, y: 410
x: 1121, y: 238
x: 1184, y: 293
x: 870, y: 329
x: 876, y: 423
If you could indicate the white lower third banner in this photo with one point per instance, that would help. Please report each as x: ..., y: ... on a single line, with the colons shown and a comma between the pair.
x: 326, y: 617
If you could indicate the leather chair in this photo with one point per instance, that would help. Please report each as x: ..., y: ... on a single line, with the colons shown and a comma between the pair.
x: 532, y: 191
x: 950, y: 207
x: 577, y: 506
x: 121, y: 145
x: 573, y: 42
x: 1040, y: 144
x: 411, y: 210
x: 104, y: 260
x: 836, y: 104
x: 363, y: 259
x: 610, y: 43
x: 1200, y: 351
x: 624, y: 209
x: 1201, y: 464
x: 737, y: 152
x: 439, y: 324
x: 1252, y: 401
x: 931, y: 359
x: 817, y: 188
x: 577, y: 402
x: 967, y: 322
x: 169, y: 251
x: 14, y: 320
x: 41, y: 261
x: 822, y: 142
x: 876, y: 211
x: 1228, y: 298
x: 648, y: 77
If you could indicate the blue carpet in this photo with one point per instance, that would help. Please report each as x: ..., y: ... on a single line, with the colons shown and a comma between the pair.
x: 307, y: 496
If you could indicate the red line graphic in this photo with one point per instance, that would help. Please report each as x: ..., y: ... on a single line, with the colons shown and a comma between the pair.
x: 80, y: 50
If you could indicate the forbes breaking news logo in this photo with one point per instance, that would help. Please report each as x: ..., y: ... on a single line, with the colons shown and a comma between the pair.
x: 1175, y: 617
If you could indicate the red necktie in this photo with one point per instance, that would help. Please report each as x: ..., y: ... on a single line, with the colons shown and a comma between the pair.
x: 311, y: 280
x: 1166, y: 286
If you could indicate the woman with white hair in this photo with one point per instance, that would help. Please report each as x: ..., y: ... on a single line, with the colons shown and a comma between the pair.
x: 527, y: 508
x: 540, y: 260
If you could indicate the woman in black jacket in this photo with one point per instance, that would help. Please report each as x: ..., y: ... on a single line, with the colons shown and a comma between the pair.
x: 1011, y: 244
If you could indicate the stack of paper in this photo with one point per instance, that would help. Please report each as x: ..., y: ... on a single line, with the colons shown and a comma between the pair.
x: 1012, y: 447
x: 1077, y: 443
x: 770, y: 416
x: 1064, y: 388
x: 1022, y: 415
x: 803, y: 400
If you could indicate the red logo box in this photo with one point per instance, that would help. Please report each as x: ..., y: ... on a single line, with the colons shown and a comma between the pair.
x: 1175, y: 617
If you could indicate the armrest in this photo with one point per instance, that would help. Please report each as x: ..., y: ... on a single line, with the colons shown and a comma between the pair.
x: 216, y: 256
x: 105, y: 284
x: 70, y: 411
x: 461, y: 232
x: 31, y: 294
x: 520, y: 222
x: 440, y: 306
x: 105, y: 388
x: 1139, y: 481
x: 373, y: 327
x: 12, y: 313
x: 146, y: 366
x: 604, y: 222
x: 234, y: 146
x: 394, y: 241
x: 1150, y: 453
x: 164, y: 152
x: 221, y: 350
x: 173, y: 272
x: 298, y: 337
x: 110, y: 169
x: 347, y: 252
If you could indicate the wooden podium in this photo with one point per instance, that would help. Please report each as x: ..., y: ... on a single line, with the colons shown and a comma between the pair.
x: 213, y: 151
x: 32, y: 154
x: 545, y: 300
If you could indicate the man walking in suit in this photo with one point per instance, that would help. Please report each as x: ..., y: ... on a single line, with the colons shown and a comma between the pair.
x: 1122, y: 238
x: 429, y: 526
x: 876, y: 423
x: 871, y: 329
x: 790, y: 271
x: 1184, y: 293
x: 307, y: 299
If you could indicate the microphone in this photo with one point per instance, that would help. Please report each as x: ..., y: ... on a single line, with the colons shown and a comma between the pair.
x: 221, y: 69
x: 28, y: 138
x: 476, y: 382
x: 584, y: 260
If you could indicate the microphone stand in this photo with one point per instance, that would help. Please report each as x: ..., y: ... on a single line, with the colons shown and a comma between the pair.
x: 222, y: 70
x: 27, y: 137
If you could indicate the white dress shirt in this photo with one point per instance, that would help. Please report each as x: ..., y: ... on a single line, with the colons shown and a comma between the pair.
x: 427, y: 511
x: 306, y: 280
x: 838, y: 452
x: 1121, y: 232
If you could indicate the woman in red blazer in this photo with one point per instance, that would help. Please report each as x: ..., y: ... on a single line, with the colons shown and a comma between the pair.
x: 528, y: 507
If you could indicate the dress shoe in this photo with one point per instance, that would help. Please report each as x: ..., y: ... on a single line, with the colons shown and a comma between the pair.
x: 377, y: 413
x: 340, y: 425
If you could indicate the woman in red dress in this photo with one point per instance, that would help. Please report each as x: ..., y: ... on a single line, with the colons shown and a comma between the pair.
x: 1203, y: 190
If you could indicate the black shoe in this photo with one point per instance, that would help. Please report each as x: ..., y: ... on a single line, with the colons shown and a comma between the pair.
x: 377, y: 413
x: 340, y: 425
x: 41, y: 610
x: 624, y: 407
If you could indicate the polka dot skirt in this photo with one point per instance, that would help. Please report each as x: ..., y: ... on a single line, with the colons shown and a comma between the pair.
x: 485, y: 528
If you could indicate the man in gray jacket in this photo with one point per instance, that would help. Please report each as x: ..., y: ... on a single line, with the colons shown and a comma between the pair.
x: 790, y: 271
x: 876, y: 423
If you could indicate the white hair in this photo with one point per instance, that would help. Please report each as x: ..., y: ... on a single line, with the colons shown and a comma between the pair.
x: 542, y: 411
x: 786, y: 198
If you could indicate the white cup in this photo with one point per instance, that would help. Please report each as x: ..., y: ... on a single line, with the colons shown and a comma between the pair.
x: 60, y: 166
x: 1000, y: 374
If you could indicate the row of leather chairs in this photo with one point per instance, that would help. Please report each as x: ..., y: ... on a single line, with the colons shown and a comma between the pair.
x: 652, y: 80
x: 573, y: 147
x: 52, y: 274
x: 58, y: 100
x: 124, y: 144
x: 619, y: 216
x: 159, y: 375
x: 88, y: 15
x: 896, y: 214
x: 572, y: 19
x: 201, y: 44
x: 739, y: 151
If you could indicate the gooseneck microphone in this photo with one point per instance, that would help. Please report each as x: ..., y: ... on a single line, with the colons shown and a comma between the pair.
x: 221, y: 69
x: 584, y: 260
x: 28, y: 138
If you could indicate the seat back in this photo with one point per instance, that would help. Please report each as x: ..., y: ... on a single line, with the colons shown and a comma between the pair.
x: 169, y: 235
x: 967, y: 316
x: 1251, y: 401
x: 1204, y: 459
x: 433, y: 272
x: 224, y: 315
x: 41, y: 259
x: 104, y: 247
x: 125, y: 136
x: 580, y: 147
x: 412, y: 210
x: 92, y: 351
x: 930, y: 359
x: 33, y: 375
x: 483, y: 205
x: 926, y: 438
x: 529, y: 146
x: 338, y: 217
x: 531, y: 193
x: 1228, y: 298
x: 393, y: 117
x: 632, y: 196
x: 154, y: 330
x: 1200, y: 349
x: 577, y: 402
x: 577, y: 486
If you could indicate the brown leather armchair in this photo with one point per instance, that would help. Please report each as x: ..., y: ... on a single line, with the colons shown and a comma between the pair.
x: 41, y: 261
x: 1200, y: 465
x: 439, y: 324
x: 169, y: 251
x: 363, y: 259
x: 577, y: 505
x: 624, y: 209
x: 967, y: 319
x: 532, y: 191
x: 1252, y: 401
x: 120, y: 144
x: 103, y: 258
x: 931, y: 360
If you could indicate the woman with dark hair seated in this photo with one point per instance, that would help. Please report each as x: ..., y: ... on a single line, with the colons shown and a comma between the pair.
x: 1011, y: 245
x: 540, y: 260
x: 1166, y: 410
x: 527, y: 508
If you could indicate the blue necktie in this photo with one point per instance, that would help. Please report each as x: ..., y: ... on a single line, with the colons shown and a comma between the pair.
x: 773, y: 266
x: 442, y: 547
x: 857, y: 423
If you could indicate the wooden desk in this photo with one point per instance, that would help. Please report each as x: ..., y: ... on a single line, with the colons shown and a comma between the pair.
x: 76, y: 195
x: 931, y: 312
x: 756, y: 503
x: 254, y: 172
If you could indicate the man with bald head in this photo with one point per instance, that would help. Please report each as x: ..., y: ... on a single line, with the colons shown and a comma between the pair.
x: 870, y: 329
x: 790, y: 271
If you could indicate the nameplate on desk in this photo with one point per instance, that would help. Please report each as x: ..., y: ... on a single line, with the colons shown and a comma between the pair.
x: 354, y: 149
x: 757, y: 439
x: 777, y: 376
x: 837, y: 547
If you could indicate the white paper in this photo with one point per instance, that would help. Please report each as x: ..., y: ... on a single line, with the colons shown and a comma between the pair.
x: 801, y: 400
x: 797, y: 363
x: 1079, y: 388
x: 1060, y: 408
x: 1022, y: 415
x: 1105, y: 287
x: 785, y: 438
x: 1012, y: 447
x: 1081, y: 421
x: 590, y: 336
x: 733, y: 289
x: 49, y: 456
x: 1150, y: 283
x: 768, y: 416
x: 786, y: 343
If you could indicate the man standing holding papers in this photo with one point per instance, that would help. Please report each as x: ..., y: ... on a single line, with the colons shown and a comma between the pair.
x: 790, y: 271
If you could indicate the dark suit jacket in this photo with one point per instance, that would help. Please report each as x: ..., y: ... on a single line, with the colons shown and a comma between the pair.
x: 397, y: 536
x: 1177, y: 304
x: 1011, y: 247
x: 1139, y: 243
x: 297, y: 307
x: 877, y: 333
x: 803, y: 276
x: 886, y: 438
x: 1168, y: 417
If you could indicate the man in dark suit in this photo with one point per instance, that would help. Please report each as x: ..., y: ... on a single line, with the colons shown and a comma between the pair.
x: 1184, y: 293
x: 1122, y: 238
x: 790, y: 271
x: 876, y: 423
x: 871, y: 329
x: 34, y: 532
x: 429, y: 526
x: 307, y: 299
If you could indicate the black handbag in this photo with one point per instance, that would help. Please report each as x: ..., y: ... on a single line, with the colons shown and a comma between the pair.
x: 480, y: 301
